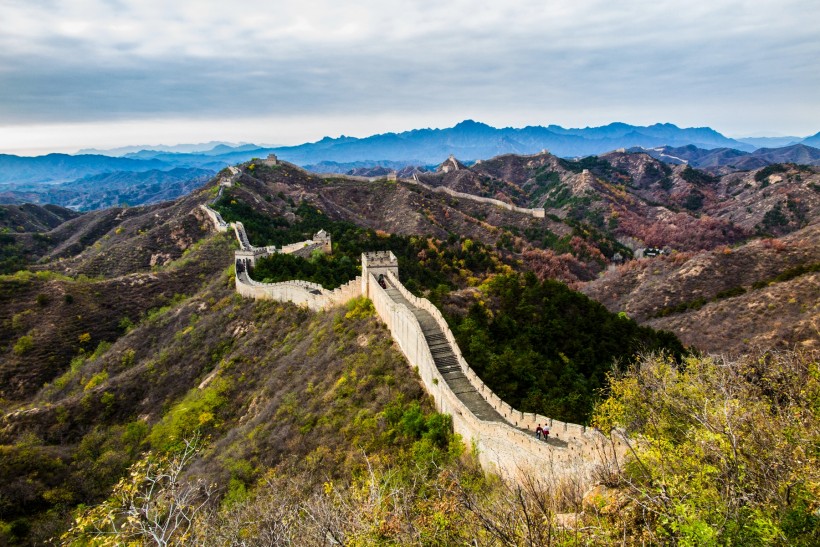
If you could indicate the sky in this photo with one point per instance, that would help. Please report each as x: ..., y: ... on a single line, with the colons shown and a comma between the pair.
x: 108, y: 73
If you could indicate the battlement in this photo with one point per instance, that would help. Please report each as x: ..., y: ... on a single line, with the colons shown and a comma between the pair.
x: 379, y: 259
x: 323, y: 238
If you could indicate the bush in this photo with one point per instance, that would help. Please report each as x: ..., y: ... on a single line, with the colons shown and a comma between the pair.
x: 23, y: 345
x: 712, y: 433
x: 697, y: 177
x: 543, y: 348
x: 729, y: 293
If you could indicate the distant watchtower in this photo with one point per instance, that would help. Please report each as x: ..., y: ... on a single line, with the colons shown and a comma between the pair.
x: 324, y: 238
x: 271, y: 160
x: 450, y: 165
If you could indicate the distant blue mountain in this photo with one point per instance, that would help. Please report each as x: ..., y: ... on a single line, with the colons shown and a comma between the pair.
x: 203, y: 147
x: 471, y: 140
x: 719, y: 157
x: 55, y: 168
x: 814, y: 140
x: 468, y: 141
x: 771, y: 142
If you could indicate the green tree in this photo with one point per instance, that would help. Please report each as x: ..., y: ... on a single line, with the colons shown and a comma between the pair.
x: 724, y: 452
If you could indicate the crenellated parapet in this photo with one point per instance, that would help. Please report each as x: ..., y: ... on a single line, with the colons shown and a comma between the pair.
x: 509, y: 444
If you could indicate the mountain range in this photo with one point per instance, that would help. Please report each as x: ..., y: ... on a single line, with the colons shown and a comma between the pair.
x: 734, y: 160
x: 29, y: 178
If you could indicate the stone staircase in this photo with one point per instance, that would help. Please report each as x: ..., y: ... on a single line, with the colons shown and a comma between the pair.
x: 446, y: 361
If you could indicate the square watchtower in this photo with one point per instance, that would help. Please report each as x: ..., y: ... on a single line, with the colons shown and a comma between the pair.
x: 375, y: 263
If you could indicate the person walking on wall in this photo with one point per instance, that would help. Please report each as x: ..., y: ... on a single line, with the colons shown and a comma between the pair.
x: 538, y: 431
x: 546, y: 432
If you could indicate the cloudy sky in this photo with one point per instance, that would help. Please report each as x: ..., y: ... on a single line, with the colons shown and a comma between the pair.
x: 107, y: 73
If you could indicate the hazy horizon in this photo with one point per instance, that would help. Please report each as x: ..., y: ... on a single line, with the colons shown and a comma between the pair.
x: 104, y: 74
x: 125, y: 139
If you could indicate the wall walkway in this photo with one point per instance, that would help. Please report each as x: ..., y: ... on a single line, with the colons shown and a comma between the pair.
x: 537, y: 213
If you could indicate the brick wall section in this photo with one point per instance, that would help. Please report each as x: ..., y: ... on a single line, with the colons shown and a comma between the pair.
x: 216, y: 218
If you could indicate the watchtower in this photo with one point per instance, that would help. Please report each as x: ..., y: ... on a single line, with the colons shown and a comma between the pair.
x: 375, y: 263
x: 324, y: 238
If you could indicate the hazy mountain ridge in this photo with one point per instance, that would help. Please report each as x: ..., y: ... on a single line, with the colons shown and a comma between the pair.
x: 732, y: 159
x: 468, y: 140
x: 115, y: 189
x: 56, y: 168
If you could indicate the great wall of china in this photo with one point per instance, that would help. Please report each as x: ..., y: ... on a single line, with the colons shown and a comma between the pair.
x: 502, y: 435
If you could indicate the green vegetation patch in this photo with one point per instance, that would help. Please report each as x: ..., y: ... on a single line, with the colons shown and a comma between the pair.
x: 697, y: 177
x: 711, y: 433
x: 12, y: 254
x: 328, y: 271
x: 763, y: 174
x: 424, y: 263
x: 544, y: 348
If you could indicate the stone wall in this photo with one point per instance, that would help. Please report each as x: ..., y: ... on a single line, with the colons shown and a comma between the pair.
x: 510, y: 451
x: 216, y: 218
x: 378, y: 263
x: 302, y: 293
x: 585, y: 448
x: 537, y: 213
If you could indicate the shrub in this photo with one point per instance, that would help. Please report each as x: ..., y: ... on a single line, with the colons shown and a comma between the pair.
x: 697, y: 177
x: 96, y: 380
x: 728, y: 293
x: 23, y: 345
x: 197, y: 411
x: 359, y: 308
x: 711, y: 433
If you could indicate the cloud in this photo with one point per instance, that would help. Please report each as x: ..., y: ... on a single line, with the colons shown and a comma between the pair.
x: 526, y: 61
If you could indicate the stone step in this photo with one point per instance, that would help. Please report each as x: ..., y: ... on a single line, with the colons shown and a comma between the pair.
x: 442, y: 352
x: 439, y: 345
